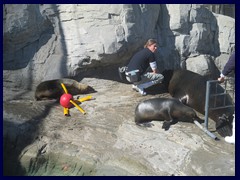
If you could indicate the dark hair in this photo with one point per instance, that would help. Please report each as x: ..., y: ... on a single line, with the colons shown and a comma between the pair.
x: 150, y: 42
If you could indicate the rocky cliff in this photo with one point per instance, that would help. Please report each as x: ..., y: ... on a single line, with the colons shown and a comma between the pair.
x: 43, y: 41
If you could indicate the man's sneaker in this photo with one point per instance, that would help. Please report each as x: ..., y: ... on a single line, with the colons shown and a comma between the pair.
x: 142, y: 92
x: 230, y: 139
x: 139, y: 89
x: 134, y: 87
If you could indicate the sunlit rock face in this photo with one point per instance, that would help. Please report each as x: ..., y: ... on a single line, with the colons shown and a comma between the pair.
x: 43, y: 41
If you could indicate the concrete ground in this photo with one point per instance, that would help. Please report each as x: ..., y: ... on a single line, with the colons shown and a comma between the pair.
x: 40, y: 140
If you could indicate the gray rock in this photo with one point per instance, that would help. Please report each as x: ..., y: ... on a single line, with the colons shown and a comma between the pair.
x: 44, y: 41
x: 203, y: 65
x: 226, y: 26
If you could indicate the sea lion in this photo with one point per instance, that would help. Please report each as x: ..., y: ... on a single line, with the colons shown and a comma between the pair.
x: 52, y: 89
x: 190, y: 88
x: 169, y: 110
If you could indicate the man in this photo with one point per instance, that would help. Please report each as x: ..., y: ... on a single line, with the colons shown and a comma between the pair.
x: 140, y: 63
x: 229, y: 67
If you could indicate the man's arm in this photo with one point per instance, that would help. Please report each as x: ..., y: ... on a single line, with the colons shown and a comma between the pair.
x: 229, y: 66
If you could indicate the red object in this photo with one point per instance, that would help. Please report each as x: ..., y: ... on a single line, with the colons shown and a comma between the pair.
x: 65, y: 100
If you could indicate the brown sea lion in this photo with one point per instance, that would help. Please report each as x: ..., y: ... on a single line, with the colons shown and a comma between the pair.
x: 169, y: 110
x: 52, y: 89
x: 190, y: 88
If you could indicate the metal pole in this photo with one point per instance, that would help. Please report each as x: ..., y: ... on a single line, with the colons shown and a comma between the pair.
x: 207, y: 104
x: 205, y: 130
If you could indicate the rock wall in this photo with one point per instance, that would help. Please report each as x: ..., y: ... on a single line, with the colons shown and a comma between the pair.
x: 224, y: 9
x: 43, y: 41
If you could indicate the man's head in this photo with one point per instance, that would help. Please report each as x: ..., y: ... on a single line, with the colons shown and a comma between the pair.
x: 151, y: 45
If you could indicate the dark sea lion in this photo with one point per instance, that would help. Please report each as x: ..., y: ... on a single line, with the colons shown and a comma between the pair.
x: 169, y: 110
x: 52, y: 89
x: 190, y: 88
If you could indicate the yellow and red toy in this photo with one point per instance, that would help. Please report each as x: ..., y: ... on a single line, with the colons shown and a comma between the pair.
x: 67, y: 101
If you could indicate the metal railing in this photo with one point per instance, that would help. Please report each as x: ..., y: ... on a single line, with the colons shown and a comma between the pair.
x: 209, y: 94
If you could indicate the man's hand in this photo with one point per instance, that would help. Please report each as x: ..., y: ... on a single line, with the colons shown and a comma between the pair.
x: 155, y: 70
x: 221, y: 79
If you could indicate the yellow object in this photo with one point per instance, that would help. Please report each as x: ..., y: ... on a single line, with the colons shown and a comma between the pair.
x: 77, y: 106
x: 64, y: 88
x: 66, y: 111
x: 85, y: 98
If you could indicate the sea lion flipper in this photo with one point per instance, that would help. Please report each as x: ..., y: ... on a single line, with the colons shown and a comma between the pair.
x: 166, y: 125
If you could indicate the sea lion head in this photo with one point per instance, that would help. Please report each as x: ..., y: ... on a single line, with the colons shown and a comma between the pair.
x: 224, y: 125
